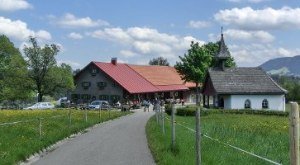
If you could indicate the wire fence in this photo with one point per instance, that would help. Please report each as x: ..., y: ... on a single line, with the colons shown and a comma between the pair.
x: 72, y: 116
x: 294, y: 136
x: 227, y: 144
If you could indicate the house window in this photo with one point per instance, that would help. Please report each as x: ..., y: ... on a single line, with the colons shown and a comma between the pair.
x: 265, y: 104
x: 101, y: 85
x: 85, y: 96
x: 114, y: 84
x: 75, y: 96
x: 104, y: 97
x: 247, y: 104
x: 86, y: 85
x: 93, y: 71
x: 115, y: 98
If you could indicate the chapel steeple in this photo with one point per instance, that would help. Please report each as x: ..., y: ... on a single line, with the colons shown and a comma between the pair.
x: 223, y: 54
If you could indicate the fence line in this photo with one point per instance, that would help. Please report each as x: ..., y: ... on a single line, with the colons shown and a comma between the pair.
x: 29, y: 120
x: 229, y: 145
x: 16, y: 122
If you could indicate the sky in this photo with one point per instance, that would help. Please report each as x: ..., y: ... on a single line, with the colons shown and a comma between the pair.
x: 136, y: 31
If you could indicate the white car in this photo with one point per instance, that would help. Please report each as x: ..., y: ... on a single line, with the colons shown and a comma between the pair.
x: 97, y: 104
x: 41, y: 105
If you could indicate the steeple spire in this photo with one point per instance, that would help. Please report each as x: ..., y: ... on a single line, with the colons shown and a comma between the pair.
x: 223, y: 54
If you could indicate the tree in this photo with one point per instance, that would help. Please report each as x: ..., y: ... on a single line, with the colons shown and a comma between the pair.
x: 40, y: 60
x: 194, y: 65
x: 14, y: 82
x: 61, y: 79
x: 18, y: 86
x: 159, y: 61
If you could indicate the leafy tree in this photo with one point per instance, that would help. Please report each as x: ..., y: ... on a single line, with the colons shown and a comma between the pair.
x: 61, y: 79
x: 292, y: 85
x: 159, y: 61
x: 14, y: 82
x: 40, y: 61
x: 194, y: 64
x: 18, y: 86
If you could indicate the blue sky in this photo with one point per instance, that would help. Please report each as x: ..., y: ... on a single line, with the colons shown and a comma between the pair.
x: 136, y: 31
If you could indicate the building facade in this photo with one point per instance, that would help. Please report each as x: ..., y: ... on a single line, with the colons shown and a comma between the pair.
x: 118, y: 82
x: 240, y: 87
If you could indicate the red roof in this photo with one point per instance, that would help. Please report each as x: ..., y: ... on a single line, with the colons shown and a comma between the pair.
x: 176, y: 87
x: 144, y: 79
x: 158, y: 75
x: 126, y: 77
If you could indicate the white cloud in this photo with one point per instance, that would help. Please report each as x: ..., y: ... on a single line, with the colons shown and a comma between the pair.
x: 265, y: 19
x: 127, y: 53
x: 199, y: 24
x: 146, y: 42
x: 71, y: 21
x: 73, y: 64
x: 258, y: 36
x: 256, y: 54
x: 42, y: 34
x: 76, y: 36
x: 18, y: 30
x: 12, y: 5
x: 242, y: 35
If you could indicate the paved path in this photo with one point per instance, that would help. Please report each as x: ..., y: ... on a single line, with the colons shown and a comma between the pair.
x: 118, y: 142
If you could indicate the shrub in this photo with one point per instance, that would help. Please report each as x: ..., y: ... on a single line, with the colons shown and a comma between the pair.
x: 190, y: 111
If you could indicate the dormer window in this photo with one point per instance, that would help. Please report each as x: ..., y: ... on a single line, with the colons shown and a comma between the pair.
x: 94, y: 71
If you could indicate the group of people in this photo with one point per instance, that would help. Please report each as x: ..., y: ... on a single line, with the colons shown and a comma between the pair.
x: 157, y: 104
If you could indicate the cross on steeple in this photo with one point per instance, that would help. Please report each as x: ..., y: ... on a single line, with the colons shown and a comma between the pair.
x: 221, y: 30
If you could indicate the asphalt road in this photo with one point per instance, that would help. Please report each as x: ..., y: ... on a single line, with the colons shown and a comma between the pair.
x: 118, y: 142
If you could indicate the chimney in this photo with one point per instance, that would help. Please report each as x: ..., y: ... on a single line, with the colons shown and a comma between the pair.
x: 114, y: 60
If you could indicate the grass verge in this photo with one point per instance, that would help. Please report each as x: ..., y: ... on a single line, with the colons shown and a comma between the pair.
x: 263, y: 135
x: 19, y: 141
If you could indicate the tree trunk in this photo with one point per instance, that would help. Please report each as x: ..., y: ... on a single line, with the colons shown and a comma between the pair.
x: 40, y: 97
x: 198, y: 97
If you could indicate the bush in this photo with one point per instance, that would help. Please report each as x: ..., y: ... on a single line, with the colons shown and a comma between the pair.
x: 190, y: 111
x: 186, y: 111
x: 168, y: 109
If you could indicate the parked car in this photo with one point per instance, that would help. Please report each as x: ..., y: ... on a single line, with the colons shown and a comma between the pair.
x: 41, y: 105
x: 126, y: 106
x: 97, y: 104
x: 63, y: 102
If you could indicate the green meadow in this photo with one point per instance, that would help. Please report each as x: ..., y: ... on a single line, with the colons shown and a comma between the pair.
x: 264, y: 135
x: 19, y: 141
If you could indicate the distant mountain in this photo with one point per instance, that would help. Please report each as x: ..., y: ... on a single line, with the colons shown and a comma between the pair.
x: 289, y: 66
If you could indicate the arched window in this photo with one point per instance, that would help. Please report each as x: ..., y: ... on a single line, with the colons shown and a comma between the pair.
x: 265, y: 104
x: 247, y: 104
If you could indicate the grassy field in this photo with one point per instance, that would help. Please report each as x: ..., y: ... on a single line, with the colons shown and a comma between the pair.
x: 21, y: 140
x: 266, y: 136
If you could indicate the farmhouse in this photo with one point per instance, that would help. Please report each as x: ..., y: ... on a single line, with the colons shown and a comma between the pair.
x: 240, y: 88
x: 117, y: 81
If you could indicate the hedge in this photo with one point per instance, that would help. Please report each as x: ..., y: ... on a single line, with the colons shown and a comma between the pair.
x: 190, y: 111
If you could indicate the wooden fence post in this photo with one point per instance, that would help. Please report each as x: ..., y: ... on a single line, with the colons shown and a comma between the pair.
x: 163, y: 120
x: 198, y: 137
x: 99, y: 114
x: 70, y: 120
x: 294, y: 134
x: 86, y: 117
x: 40, y: 128
x: 173, y: 125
